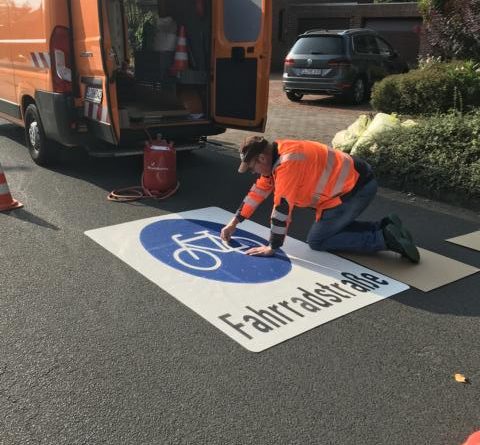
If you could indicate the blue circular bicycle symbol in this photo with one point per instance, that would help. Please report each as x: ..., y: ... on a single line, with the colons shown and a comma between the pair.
x: 194, y: 246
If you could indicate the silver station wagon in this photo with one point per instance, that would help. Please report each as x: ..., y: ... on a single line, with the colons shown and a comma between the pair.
x: 343, y: 63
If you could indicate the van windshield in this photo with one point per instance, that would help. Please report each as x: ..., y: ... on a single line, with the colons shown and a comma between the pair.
x: 319, y: 45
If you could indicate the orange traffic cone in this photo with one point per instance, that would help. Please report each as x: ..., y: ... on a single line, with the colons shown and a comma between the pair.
x: 474, y: 439
x: 181, y: 55
x: 6, y: 200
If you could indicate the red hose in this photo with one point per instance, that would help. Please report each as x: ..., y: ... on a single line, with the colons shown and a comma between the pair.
x: 136, y: 193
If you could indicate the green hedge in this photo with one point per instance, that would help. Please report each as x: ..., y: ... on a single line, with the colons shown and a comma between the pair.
x: 439, y: 158
x: 434, y: 88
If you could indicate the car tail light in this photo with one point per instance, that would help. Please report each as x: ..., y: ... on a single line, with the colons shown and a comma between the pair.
x: 61, y: 60
x: 289, y: 62
x: 337, y: 63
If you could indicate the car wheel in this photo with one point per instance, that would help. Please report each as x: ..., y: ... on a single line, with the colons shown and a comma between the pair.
x: 294, y: 96
x: 358, y: 94
x: 41, y: 149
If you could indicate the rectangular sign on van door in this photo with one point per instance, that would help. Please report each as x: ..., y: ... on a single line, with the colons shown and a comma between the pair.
x: 242, y: 49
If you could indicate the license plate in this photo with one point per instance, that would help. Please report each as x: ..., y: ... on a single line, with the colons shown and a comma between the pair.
x: 94, y: 95
x: 311, y: 72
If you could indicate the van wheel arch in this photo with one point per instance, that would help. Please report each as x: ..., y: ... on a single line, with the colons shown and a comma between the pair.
x: 26, y: 101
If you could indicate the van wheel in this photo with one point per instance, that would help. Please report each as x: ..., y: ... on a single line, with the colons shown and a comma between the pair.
x: 41, y: 149
x: 294, y: 96
x: 358, y: 93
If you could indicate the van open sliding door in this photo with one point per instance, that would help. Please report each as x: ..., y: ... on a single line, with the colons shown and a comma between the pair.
x: 95, y: 64
x: 242, y: 49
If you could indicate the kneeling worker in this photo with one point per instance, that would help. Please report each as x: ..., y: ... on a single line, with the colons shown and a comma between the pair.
x: 338, y: 186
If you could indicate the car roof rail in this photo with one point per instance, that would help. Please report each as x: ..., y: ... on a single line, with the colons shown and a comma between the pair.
x: 360, y: 30
x: 323, y: 31
x: 337, y: 31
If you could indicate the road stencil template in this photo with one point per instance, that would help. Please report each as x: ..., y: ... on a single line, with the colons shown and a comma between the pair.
x: 257, y: 301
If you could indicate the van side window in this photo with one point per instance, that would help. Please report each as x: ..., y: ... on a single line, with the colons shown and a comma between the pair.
x: 242, y: 20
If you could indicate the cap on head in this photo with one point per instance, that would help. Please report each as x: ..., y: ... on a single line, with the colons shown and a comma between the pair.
x: 251, y: 147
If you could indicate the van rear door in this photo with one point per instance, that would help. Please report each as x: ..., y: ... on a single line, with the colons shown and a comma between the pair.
x: 95, y: 65
x: 242, y: 33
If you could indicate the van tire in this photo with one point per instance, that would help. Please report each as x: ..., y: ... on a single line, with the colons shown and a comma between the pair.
x: 294, y: 96
x: 42, y: 150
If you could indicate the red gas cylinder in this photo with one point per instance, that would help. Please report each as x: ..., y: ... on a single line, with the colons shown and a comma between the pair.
x: 159, y: 166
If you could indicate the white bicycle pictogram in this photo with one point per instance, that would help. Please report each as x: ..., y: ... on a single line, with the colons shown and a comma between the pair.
x: 201, y: 257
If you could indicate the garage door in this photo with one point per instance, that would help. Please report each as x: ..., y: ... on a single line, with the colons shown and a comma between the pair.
x: 402, y: 34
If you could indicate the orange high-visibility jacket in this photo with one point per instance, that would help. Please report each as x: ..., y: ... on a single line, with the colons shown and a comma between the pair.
x: 306, y: 174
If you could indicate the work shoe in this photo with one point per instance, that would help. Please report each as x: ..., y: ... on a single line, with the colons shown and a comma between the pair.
x: 397, y: 241
x: 391, y: 218
x: 394, y: 219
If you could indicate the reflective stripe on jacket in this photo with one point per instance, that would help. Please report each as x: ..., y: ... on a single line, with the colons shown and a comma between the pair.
x: 255, y: 196
x: 305, y: 174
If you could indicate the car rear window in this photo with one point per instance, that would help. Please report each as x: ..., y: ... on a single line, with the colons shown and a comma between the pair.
x: 318, y: 45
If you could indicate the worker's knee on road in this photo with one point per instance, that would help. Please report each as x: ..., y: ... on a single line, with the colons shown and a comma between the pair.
x: 316, y: 239
x: 316, y: 244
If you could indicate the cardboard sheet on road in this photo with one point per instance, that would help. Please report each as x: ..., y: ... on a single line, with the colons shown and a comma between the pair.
x: 257, y: 301
x: 471, y: 240
x: 433, y: 271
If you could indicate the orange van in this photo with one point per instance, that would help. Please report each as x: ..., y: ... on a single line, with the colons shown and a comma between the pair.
x: 69, y: 76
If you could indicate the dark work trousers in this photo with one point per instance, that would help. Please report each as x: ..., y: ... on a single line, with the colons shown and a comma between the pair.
x: 338, y: 230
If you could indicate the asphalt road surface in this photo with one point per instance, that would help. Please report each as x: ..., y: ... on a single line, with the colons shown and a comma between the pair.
x: 91, y: 352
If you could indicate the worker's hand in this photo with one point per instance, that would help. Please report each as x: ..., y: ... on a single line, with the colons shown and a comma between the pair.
x: 261, y: 251
x: 228, y: 231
